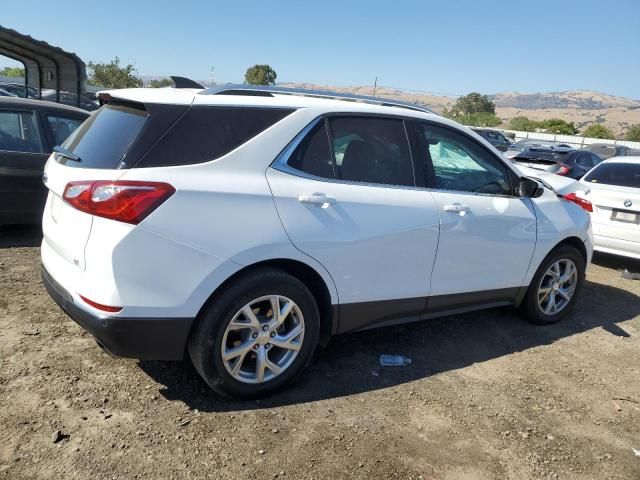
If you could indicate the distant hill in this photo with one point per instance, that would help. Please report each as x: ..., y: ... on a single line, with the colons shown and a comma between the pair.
x: 583, y: 107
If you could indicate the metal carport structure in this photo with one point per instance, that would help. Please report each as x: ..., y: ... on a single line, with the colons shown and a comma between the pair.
x: 45, y: 66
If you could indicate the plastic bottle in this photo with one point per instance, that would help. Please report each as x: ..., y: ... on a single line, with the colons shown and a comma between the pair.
x: 394, y: 361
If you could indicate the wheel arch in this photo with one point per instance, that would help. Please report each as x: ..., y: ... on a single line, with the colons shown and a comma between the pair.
x: 308, y: 275
x: 576, y: 243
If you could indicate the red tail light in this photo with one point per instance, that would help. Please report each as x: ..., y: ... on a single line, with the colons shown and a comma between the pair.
x: 585, y: 204
x: 564, y: 169
x: 124, y: 201
x: 99, y: 306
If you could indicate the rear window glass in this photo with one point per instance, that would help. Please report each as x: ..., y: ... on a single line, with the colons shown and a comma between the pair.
x: 206, y: 133
x: 619, y: 174
x: 104, y: 138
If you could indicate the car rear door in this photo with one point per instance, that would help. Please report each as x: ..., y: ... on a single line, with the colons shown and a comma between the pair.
x: 23, y: 153
x: 347, y: 195
x: 487, y: 235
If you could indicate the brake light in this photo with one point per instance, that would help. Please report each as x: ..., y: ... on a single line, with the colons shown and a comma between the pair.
x: 564, y: 169
x: 99, y: 306
x: 123, y: 201
x: 585, y: 204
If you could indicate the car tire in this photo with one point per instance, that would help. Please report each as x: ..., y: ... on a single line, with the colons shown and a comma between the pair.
x: 536, y: 307
x: 214, y: 334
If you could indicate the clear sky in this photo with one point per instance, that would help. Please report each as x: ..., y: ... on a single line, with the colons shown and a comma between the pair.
x: 450, y: 47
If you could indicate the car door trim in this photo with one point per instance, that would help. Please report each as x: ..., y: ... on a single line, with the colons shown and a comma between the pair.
x: 379, y: 313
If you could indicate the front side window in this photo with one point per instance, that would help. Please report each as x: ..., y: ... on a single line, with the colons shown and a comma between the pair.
x: 61, y: 127
x: 618, y: 174
x: 19, y: 132
x: 371, y: 150
x: 461, y: 164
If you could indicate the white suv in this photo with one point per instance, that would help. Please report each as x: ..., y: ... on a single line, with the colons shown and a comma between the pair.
x: 245, y: 226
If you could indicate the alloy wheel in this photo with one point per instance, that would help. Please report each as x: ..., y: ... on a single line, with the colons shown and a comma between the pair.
x: 557, y: 286
x: 263, y: 339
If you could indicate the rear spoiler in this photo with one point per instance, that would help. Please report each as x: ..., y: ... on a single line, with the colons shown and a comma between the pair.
x: 178, y: 83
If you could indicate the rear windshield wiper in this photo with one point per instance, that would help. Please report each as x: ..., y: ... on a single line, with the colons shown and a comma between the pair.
x: 63, y: 152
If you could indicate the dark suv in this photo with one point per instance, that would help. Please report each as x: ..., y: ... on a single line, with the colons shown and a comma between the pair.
x: 29, y: 129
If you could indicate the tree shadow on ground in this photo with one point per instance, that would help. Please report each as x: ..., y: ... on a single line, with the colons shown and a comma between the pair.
x: 20, y: 236
x: 349, y: 365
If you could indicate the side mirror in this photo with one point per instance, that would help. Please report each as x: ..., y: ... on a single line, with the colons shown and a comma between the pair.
x: 529, y: 188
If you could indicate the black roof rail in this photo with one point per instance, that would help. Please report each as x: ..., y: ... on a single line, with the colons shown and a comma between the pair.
x: 184, y: 82
x: 269, y: 91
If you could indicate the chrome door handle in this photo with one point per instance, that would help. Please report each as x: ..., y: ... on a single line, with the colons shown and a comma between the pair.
x: 456, y: 208
x: 320, y: 199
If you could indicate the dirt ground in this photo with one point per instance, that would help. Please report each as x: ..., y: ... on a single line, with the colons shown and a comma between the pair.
x: 487, y: 396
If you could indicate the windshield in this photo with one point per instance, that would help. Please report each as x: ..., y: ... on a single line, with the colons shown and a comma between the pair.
x: 619, y: 174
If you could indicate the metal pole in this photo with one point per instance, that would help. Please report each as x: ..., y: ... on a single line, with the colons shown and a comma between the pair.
x: 375, y: 84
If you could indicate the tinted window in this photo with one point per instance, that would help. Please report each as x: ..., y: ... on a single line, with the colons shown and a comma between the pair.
x: 104, y: 138
x: 207, y: 133
x: 313, y: 155
x: 372, y: 150
x: 19, y: 132
x: 595, y: 159
x: 61, y: 127
x: 459, y: 163
x: 619, y: 174
x: 584, y: 160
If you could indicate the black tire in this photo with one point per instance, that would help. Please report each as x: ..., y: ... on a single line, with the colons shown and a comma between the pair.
x: 530, y: 308
x: 205, y: 341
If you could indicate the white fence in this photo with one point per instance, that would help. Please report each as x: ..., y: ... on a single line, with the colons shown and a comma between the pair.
x: 570, y: 139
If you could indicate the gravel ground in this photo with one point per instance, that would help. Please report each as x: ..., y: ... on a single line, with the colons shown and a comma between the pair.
x: 487, y: 396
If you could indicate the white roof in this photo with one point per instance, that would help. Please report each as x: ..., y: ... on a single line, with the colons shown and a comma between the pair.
x: 191, y: 96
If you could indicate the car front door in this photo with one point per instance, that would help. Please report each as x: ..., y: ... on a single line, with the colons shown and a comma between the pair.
x: 348, y: 195
x: 22, y: 158
x: 487, y: 235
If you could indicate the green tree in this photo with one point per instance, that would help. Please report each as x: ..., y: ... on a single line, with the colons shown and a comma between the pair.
x: 633, y: 133
x: 260, y: 75
x: 523, y: 124
x: 112, y: 75
x: 470, y: 104
x: 556, y: 125
x: 598, y: 131
x: 164, y: 82
x: 12, y: 72
x: 482, y: 119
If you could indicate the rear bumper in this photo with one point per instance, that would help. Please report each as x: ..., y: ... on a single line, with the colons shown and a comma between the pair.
x: 142, y: 338
x: 616, y: 246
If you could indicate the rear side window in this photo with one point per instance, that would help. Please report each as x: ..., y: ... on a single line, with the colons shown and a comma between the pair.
x: 206, y: 133
x: 371, y: 150
x: 19, y: 132
x: 619, y: 174
x: 313, y: 155
x: 104, y: 138
x: 61, y: 126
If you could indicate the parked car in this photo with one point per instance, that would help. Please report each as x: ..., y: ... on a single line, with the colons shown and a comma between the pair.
x: 613, y: 188
x: 87, y: 100
x: 19, y: 89
x: 561, y: 161
x: 246, y: 228
x: 606, y: 150
x: 29, y: 129
x: 494, y: 137
x: 5, y: 93
x: 527, y: 144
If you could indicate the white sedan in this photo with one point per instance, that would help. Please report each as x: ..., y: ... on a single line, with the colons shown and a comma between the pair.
x: 613, y: 188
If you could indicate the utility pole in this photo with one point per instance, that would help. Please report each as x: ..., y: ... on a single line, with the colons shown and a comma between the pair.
x: 375, y: 84
x: 212, y: 84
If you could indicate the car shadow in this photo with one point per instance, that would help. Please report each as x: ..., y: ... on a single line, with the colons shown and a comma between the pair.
x: 349, y: 365
x: 20, y: 236
x: 616, y: 262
